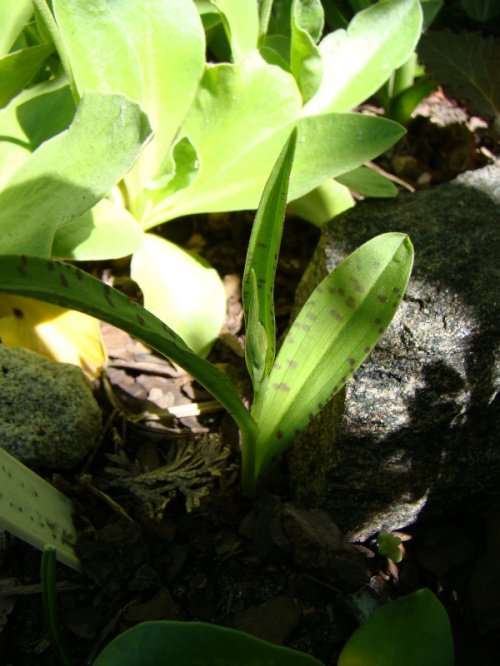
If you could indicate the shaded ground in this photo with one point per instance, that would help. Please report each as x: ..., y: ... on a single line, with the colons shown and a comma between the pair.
x: 165, y: 532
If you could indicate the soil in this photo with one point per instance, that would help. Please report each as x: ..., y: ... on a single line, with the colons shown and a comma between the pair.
x: 165, y: 532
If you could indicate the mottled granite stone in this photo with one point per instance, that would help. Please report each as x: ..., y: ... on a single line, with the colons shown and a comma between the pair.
x: 418, y: 433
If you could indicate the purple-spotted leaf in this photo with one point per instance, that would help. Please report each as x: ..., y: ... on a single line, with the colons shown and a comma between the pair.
x: 334, y: 332
x: 70, y: 287
x: 262, y: 258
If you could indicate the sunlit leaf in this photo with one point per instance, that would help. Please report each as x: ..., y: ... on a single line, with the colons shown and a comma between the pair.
x: 52, y: 188
x: 334, y: 332
x: 182, y: 289
x: 357, y: 61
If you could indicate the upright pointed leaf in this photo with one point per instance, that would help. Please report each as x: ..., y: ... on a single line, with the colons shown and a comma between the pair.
x: 334, y: 332
x: 262, y: 258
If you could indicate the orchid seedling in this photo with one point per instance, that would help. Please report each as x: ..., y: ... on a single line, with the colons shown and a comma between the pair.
x: 334, y: 332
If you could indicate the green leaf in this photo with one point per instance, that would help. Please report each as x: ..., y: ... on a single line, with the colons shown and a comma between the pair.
x: 334, y: 332
x: 369, y: 183
x: 389, y: 545
x: 333, y: 144
x: 89, y: 29
x: 225, y: 124
x: 21, y: 131
x: 182, y: 289
x: 14, y: 14
x: 256, y: 341
x: 413, y: 630
x: 307, y: 21
x: 18, y: 68
x: 467, y: 65
x: 190, y: 643
x: 71, y: 172
x: 241, y: 25
x: 234, y: 163
x: 180, y: 168
x: 323, y: 203
x: 35, y: 511
x: 260, y: 267
x: 70, y: 287
x: 151, y: 50
x: 357, y: 61
x: 107, y: 231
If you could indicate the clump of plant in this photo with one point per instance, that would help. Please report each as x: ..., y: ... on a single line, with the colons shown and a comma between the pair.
x: 82, y: 133
x: 334, y: 332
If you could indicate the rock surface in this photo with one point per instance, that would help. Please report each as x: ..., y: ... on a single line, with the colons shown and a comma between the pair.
x: 48, y: 415
x: 418, y: 432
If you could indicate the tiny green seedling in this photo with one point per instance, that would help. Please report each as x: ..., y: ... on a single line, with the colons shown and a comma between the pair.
x: 389, y: 545
x: 334, y: 332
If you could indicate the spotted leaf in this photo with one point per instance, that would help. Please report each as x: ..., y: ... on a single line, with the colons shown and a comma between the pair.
x: 262, y: 257
x: 67, y: 286
x: 332, y: 335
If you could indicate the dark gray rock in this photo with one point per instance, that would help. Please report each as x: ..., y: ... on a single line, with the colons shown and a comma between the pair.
x: 48, y: 415
x: 417, y: 435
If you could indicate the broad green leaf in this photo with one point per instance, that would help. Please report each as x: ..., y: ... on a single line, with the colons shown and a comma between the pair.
x: 70, y: 173
x: 169, y: 40
x: 224, y: 124
x: 333, y: 144
x: 70, y: 287
x: 328, y: 145
x: 413, y: 630
x: 369, y: 183
x: 101, y: 53
x: 14, y: 14
x: 333, y: 334
x: 107, y: 231
x: 190, y: 643
x: 323, y: 203
x: 357, y: 61
x: 467, y: 65
x: 180, y: 288
x: 241, y: 24
x: 137, y: 48
x: 18, y: 68
x: 307, y: 21
x: 21, y: 131
x: 260, y: 267
x: 60, y: 334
